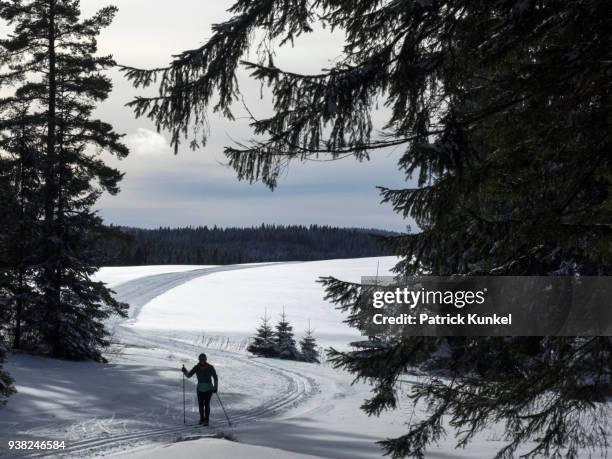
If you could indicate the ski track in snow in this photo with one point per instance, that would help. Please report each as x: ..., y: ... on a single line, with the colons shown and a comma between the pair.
x: 296, y: 412
x: 138, y: 292
x: 299, y: 388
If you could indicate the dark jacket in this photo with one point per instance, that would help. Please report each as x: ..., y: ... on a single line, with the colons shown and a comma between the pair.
x: 205, y: 373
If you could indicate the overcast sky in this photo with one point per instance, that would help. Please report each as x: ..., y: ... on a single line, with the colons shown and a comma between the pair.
x: 196, y: 187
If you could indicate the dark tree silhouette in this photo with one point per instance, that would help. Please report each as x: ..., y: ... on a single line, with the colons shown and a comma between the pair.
x: 7, y: 222
x: 6, y: 382
x: 20, y: 209
x: 503, y: 113
x: 219, y: 246
x: 49, y: 60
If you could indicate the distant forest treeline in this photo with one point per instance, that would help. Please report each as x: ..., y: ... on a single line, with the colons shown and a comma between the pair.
x: 218, y: 246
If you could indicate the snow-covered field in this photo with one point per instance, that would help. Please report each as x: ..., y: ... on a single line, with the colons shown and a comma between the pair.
x: 230, y: 300
x: 133, y: 406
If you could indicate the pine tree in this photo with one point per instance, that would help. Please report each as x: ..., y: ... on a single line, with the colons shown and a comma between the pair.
x: 6, y: 382
x: 6, y: 223
x: 52, y: 66
x: 308, y: 347
x: 284, y: 340
x: 20, y: 210
x: 502, y: 110
x: 263, y: 341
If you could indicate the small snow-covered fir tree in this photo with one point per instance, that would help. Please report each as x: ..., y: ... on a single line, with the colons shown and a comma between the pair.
x: 308, y: 346
x: 263, y: 341
x: 284, y: 340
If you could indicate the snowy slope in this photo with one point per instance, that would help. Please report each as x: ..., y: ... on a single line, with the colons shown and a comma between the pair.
x: 133, y: 406
x: 119, y: 275
x: 230, y: 301
x: 212, y: 448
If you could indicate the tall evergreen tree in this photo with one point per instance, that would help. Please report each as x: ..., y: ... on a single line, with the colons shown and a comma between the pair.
x: 20, y: 210
x: 6, y: 222
x: 263, y: 341
x: 284, y: 340
x: 308, y: 347
x: 503, y: 113
x: 6, y: 382
x: 50, y: 62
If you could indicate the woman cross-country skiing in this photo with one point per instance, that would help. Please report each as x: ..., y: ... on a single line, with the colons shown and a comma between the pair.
x: 206, y: 374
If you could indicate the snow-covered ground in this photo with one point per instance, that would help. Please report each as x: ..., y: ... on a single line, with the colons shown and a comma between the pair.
x: 121, y: 274
x: 230, y: 300
x: 133, y: 406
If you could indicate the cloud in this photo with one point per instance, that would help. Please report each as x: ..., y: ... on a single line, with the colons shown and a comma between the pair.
x: 145, y: 142
x: 194, y: 187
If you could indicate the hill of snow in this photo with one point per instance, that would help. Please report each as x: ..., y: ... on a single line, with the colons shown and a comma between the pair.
x: 132, y: 407
x: 230, y: 300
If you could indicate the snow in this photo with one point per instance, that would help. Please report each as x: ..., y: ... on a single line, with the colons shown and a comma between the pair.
x: 133, y: 406
x: 118, y: 275
x: 232, y: 302
x: 213, y: 448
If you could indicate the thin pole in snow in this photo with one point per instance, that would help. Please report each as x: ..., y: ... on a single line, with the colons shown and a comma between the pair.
x: 184, y: 418
x: 223, y: 408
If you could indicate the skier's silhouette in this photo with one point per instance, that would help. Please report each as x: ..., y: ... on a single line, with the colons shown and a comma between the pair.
x: 206, y: 374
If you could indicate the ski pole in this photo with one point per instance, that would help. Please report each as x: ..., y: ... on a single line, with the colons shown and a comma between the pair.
x: 223, y: 408
x: 184, y: 419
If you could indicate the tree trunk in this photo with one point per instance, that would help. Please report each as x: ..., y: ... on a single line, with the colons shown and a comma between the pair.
x: 18, y: 311
x: 51, y: 121
x: 21, y: 189
x: 51, y: 291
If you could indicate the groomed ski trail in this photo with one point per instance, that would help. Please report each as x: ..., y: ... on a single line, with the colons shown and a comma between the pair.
x: 138, y: 292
